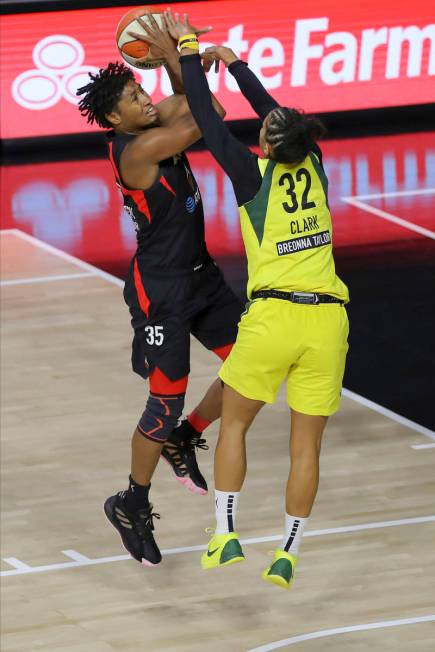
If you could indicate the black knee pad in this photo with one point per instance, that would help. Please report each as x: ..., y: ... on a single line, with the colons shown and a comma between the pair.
x: 160, y: 416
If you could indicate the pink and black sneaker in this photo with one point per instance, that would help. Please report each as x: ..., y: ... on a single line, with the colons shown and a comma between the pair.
x: 179, y: 453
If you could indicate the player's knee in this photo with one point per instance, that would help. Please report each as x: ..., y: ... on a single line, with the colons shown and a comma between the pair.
x: 160, y: 416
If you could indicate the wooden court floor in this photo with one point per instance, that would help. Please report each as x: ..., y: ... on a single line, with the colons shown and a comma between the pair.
x: 366, y: 579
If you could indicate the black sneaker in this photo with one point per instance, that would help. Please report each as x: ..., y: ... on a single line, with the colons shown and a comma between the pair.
x: 179, y: 453
x: 136, y: 529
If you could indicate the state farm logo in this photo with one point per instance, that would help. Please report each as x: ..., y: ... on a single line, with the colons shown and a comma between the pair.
x: 58, y: 73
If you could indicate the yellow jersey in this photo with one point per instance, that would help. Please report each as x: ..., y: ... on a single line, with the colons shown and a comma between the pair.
x: 287, y: 231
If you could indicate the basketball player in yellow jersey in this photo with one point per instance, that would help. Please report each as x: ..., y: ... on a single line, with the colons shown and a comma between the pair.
x: 295, y: 327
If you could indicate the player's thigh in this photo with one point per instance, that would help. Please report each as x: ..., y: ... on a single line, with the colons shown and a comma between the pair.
x: 162, y: 344
x: 260, y: 358
x: 315, y: 382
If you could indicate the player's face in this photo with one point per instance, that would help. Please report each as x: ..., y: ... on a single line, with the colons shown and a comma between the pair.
x: 135, y: 109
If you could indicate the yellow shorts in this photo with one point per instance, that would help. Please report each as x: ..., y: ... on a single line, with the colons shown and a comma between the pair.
x: 306, y: 344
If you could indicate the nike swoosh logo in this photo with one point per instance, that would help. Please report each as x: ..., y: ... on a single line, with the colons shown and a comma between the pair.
x: 210, y: 553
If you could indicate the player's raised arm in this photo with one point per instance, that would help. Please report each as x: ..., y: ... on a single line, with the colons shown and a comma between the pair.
x: 234, y: 157
x: 163, y: 45
x: 251, y: 87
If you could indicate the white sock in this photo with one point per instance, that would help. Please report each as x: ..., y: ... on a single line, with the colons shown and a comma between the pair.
x: 226, y: 508
x: 294, y: 529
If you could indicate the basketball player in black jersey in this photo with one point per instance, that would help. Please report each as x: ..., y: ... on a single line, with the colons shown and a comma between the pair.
x: 173, y: 287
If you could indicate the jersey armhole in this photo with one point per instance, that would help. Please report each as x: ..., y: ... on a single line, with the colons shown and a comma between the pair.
x: 124, y: 185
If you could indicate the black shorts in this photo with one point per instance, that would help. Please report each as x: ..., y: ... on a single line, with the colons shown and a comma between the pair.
x: 167, y: 310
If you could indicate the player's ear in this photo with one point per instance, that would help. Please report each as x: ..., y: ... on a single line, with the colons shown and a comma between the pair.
x: 267, y: 150
x: 113, y: 117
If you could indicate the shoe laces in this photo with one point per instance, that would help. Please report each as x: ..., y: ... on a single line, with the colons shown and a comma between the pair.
x: 144, y: 520
x: 197, y: 442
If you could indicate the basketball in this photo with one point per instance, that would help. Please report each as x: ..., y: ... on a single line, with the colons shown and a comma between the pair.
x: 132, y: 49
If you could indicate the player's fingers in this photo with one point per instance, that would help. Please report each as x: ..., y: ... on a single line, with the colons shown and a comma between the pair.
x: 146, y: 27
x: 167, y: 19
x: 141, y: 37
x: 164, y: 25
x: 153, y: 21
x: 186, y: 20
x: 204, y: 30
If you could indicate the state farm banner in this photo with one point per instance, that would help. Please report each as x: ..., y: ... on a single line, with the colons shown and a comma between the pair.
x: 320, y: 55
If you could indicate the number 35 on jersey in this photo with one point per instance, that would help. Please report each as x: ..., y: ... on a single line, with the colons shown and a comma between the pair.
x: 154, y: 335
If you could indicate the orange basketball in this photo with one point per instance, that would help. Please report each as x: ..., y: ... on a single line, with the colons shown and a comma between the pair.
x: 130, y: 48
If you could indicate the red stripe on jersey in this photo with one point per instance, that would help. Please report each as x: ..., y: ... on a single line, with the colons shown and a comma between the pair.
x: 167, y: 186
x: 223, y: 351
x: 139, y: 199
x: 144, y: 302
x: 137, y: 195
x: 115, y: 169
x: 161, y: 384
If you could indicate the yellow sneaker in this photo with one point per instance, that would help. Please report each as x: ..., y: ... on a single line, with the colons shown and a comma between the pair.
x: 282, y: 569
x: 223, y: 550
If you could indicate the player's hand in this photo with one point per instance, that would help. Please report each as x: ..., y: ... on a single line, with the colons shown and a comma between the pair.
x: 178, y: 27
x: 158, y: 38
x: 218, y: 53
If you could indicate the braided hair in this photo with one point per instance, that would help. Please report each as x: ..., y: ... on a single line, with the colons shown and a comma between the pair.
x: 102, y: 93
x: 292, y: 134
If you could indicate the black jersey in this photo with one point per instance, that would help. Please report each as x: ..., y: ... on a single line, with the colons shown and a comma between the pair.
x: 168, y: 216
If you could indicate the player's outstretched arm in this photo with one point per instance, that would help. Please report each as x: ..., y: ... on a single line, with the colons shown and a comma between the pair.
x: 251, y: 87
x: 164, y: 46
x: 234, y: 157
x: 140, y: 158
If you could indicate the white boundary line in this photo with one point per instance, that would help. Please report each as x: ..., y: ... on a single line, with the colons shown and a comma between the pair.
x: 116, y: 281
x: 356, y: 201
x: 46, y: 279
x: 21, y: 568
x: 341, y: 630
x: 61, y: 254
x: 389, y: 413
x: 399, y: 193
x: 421, y: 446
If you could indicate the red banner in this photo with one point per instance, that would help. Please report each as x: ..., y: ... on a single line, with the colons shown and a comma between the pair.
x: 321, y: 55
x: 70, y: 204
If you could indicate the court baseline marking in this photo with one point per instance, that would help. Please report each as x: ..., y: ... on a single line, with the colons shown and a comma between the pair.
x: 46, y: 279
x: 116, y: 281
x: 79, y: 560
x: 356, y: 200
x: 341, y: 630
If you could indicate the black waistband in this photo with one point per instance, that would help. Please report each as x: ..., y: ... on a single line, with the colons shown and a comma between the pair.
x: 311, y: 298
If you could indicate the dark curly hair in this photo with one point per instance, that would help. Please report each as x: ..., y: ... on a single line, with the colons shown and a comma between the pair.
x: 292, y: 134
x: 102, y: 93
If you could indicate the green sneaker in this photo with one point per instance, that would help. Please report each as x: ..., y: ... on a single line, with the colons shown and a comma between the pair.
x: 223, y: 550
x: 282, y: 569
